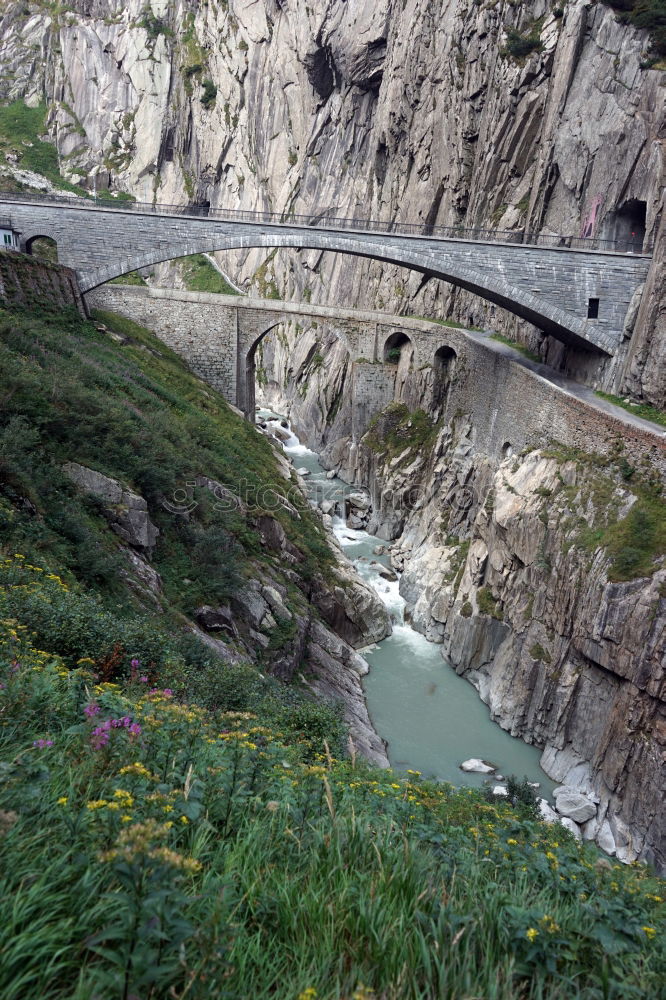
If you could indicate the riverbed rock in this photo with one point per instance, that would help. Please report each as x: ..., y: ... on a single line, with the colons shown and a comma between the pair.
x: 546, y: 811
x: 573, y: 805
x: 331, y: 474
x: 326, y: 506
x: 477, y: 766
x: 500, y: 790
x: 388, y: 574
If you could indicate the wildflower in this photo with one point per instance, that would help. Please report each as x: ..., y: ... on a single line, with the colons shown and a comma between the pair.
x: 272, y: 806
x: 125, y: 818
x: 184, y: 820
x: 134, y: 729
x: 649, y: 932
x: 511, y: 841
x: 42, y: 744
x: 96, y: 804
x: 309, y: 994
x: 91, y: 709
x: 167, y: 692
x: 143, y: 680
x: 62, y: 801
x: 531, y: 933
x: 135, y: 663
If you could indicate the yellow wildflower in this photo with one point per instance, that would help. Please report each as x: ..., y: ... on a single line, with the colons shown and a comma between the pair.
x: 531, y: 933
x: 62, y: 801
x: 649, y: 932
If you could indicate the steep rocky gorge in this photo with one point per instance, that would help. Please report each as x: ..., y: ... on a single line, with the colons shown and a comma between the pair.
x: 414, y: 111
x: 520, y: 566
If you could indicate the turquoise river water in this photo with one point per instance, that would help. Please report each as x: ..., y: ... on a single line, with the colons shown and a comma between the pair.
x: 431, y: 718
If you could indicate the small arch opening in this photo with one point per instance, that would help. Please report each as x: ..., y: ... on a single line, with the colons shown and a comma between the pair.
x: 395, y: 346
x: 445, y: 356
x: 507, y: 449
x: 443, y: 363
x: 43, y: 247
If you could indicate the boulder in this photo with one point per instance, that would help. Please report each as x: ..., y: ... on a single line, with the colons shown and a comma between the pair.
x: 331, y: 474
x: 326, y: 506
x: 359, y: 501
x: 128, y: 513
x: 379, y: 550
x: 573, y: 804
x: 477, y: 766
x: 548, y: 814
x: 500, y: 790
x: 388, y: 574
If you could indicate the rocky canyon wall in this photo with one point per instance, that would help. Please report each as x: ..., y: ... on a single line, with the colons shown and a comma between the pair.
x: 526, y: 529
x: 411, y: 110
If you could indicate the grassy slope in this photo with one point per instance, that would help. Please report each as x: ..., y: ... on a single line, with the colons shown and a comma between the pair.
x: 201, y: 856
x: 211, y: 854
x: 133, y: 412
x: 20, y: 130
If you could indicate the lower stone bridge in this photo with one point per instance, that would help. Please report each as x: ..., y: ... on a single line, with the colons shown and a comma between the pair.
x: 218, y: 337
x: 512, y: 406
x: 581, y: 296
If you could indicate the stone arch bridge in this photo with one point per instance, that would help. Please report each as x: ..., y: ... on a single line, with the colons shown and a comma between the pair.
x: 581, y: 296
x: 218, y: 336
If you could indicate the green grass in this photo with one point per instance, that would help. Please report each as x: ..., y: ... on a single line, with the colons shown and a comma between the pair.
x: 131, y: 278
x: 197, y: 854
x: 199, y: 275
x: 525, y: 351
x: 133, y: 412
x: 644, y: 410
x: 633, y: 542
x: 20, y: 131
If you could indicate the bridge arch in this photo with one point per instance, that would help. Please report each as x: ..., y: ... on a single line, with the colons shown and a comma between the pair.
x: 494, y: 287
x: 28, y: 245
x: 247, y: 359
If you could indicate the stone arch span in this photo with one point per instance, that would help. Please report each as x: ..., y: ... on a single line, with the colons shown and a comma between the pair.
x: 249, y: 340
x: 550, y: 287
x: 489, y: 283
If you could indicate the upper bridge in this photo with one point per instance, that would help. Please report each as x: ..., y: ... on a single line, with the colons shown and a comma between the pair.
x: 573, y: 289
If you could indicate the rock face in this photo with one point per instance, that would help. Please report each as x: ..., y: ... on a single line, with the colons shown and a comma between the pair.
x: 126, y: 512
x: 258, y: 624
x: 502, y: 564
x: 395, y: 110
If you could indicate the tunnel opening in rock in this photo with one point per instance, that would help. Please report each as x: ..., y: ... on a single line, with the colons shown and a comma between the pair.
x: 626, y: 226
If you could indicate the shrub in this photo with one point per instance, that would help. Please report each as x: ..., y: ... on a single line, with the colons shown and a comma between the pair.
x: 519, y: 46
x: 209, y: 93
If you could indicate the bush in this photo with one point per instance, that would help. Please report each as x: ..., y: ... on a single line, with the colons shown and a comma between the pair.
x: 649, y: 15
x: 209, y: 93
x: 519, y: 46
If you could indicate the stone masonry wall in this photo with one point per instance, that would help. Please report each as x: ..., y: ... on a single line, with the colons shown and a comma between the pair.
x: 26, y: 281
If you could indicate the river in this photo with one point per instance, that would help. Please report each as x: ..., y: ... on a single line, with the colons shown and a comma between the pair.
x: 431, y: 719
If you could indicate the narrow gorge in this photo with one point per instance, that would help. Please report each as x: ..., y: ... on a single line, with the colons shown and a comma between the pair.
x: 516, y: 553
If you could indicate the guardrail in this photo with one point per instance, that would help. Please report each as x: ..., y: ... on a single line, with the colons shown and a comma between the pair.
x: 339, y: 223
